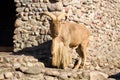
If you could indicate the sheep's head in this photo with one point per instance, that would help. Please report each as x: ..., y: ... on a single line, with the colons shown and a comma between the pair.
x: 56, y: 23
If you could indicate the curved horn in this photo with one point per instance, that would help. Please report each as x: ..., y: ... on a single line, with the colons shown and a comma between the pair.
x: 61, y: 15
x: 50, y: 15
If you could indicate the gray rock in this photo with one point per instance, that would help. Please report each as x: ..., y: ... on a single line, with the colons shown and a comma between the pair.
x: 111, y: 79
x: 18, y: 75
x: 20, y: 9
x: 96, y: 75
x: 63, y: 76
x: 52, y: 73
x: 49, y: 78
x: 16, y: 65
x: 18, y: 5
x: 18, y: 23
x: 29, y: 64
x: 26, y: 9
x: 23, y: 69
x: 1, y: 76
x: 55, y: 6
x: 1, y: 59
x: 35, y: 1
x: 43, y: 7
x: 17, y: 1
x: 32, y: 22
x: 36, y: 69
x: 8, y: 75
x: 85, y: 74
x: 25, y: 18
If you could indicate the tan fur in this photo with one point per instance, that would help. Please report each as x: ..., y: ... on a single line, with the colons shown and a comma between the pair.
x: 67, y: 35
x: 60, y: 55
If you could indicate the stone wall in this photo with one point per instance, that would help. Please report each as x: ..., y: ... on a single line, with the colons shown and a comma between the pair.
x: 101, y: 17
x: 30, y: 30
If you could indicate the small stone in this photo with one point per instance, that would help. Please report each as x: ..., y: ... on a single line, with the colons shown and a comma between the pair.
x: 20, y: 9
x: 22, y: 45
x: 45, y: 1
x: 74, y: 75
x: 23, y: 69
x: 18, y: 74
x: 20, y: 60
x: 8, y: 75
x: 43, y: 7
x: 7, y: 59
x: 52, y: 72
x: 1, y: 59
x: 80, y: 76
x: 96, y: 75
x: 85, y: 74
x: 1, y: 76
x: 15, y: 78
x: 66, y: 2
x: 18, y: 5
x: 40, y: 64
x: 43, y: 31
x: 35, y: 1
x: 29, y: 64
x: 16, y: 65
x: 63, y: 76
x: 17, y: 1
x: 49, y: 78
x: 111, y: 79
x: 25, y: 18
x: 55, y: 78
x: 18, y: 23
x: 8, y: 65
x: 32, y: 59
x: 32, y: 22
x: 58, y: 6
x: 26, y: 9
x: 36, y: 69
x: 41, y: 76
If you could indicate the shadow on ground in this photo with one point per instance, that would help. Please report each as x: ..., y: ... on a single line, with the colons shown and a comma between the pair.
x: 116, y: 76
x: 41, y: 52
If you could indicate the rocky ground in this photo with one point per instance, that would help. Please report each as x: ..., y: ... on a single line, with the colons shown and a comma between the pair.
x: 30, y: 67
x: 101, y: 17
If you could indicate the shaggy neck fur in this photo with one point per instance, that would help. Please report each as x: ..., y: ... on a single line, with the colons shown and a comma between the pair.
x: 61, y: 57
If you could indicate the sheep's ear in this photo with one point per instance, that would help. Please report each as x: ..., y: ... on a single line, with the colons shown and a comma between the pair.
x: 66, y: 16
x: 49, y: 14
x: 62, y: 15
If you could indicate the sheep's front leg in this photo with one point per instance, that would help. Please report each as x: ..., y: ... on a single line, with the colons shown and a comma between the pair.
x: 67, y: 58
x: 67, y: 55
x: 54, y: 52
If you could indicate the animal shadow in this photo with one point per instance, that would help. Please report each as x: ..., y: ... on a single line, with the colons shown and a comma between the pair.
x: 41, y: 52
x: 116, y: 76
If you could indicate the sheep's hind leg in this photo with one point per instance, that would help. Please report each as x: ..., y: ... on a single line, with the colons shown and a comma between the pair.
x: 84, y: 56
x: 84, y: 46
x: 78, y: 50
x: 81, y: 50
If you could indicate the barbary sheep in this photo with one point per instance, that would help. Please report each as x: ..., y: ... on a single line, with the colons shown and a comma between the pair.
x: 65, y: 36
